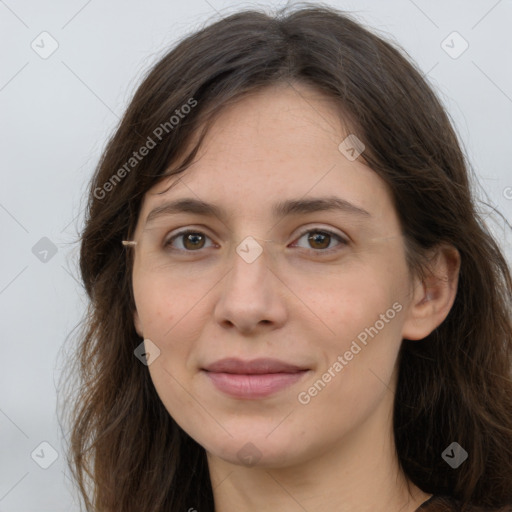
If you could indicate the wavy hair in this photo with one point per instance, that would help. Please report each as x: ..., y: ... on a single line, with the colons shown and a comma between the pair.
x: 125, y: 451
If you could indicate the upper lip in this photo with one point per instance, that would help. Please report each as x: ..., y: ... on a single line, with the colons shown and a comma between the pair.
x: 255, y: 366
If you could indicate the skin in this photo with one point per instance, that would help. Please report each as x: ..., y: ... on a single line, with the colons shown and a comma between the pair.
x: 337, y: 451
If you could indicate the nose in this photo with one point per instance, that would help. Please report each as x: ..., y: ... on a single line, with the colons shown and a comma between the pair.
x: 251, y: 297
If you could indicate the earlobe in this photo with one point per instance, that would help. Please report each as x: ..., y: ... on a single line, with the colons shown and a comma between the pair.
x: 433, y: 297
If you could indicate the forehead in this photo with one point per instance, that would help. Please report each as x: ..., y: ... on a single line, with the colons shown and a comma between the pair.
x: 280, y: 142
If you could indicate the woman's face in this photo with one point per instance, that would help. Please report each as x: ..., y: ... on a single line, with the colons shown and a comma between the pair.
x: 296, y: 255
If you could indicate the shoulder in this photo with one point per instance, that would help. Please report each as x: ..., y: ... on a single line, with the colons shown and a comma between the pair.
x: 449, y: 504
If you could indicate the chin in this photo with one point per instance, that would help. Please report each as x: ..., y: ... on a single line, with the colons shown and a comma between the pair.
x: 257, y: 450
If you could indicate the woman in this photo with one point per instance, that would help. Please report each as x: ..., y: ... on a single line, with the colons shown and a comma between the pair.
x: 294, y: 303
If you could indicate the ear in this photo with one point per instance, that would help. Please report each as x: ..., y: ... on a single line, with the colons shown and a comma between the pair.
x: 138, y: 324
x: 433, y: 297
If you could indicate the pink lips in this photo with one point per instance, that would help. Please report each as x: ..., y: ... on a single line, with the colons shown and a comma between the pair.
x: 252, y: 379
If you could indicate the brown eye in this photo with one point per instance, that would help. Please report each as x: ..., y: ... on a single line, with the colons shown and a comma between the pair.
x: 321, y: 240
x: 190, y: 241
x: 193, y: 241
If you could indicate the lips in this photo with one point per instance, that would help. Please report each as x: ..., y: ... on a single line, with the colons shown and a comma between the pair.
x: 254, y: 379
x: 255, y: 367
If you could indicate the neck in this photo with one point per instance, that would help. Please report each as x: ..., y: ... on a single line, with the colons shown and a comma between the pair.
x: 359, y: 474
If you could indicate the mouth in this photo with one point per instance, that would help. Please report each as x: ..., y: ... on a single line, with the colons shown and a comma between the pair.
x: 254, y: 379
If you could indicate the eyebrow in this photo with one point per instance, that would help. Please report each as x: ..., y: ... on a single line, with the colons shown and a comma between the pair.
x: 279, y: 209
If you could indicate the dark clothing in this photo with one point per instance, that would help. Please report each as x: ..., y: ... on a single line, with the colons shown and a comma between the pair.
x: 448, y: 504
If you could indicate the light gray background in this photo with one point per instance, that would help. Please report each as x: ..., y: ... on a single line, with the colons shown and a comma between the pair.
x: 56, y: 114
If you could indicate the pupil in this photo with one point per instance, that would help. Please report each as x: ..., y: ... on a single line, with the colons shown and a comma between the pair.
x: 319, y: 238
x: 193, y: 238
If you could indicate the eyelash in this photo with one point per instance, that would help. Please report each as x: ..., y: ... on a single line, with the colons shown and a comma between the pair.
x: 342, y: 241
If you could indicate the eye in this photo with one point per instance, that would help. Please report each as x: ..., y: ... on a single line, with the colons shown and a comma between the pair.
x: 320, y: 240
x: 191, y: 240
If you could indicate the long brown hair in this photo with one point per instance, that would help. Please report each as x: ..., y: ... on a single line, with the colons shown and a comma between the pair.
x: 126, y: 452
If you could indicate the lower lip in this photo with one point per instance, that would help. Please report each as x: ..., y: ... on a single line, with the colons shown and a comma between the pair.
x: 255, y: 385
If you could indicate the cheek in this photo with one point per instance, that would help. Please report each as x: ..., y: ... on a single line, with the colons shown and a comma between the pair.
x: 171, y: 315
x: 349, y: 299
x: 363, y: 312
x: 166, y: 317
x: 357, y: 367
x: 162, y: 301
